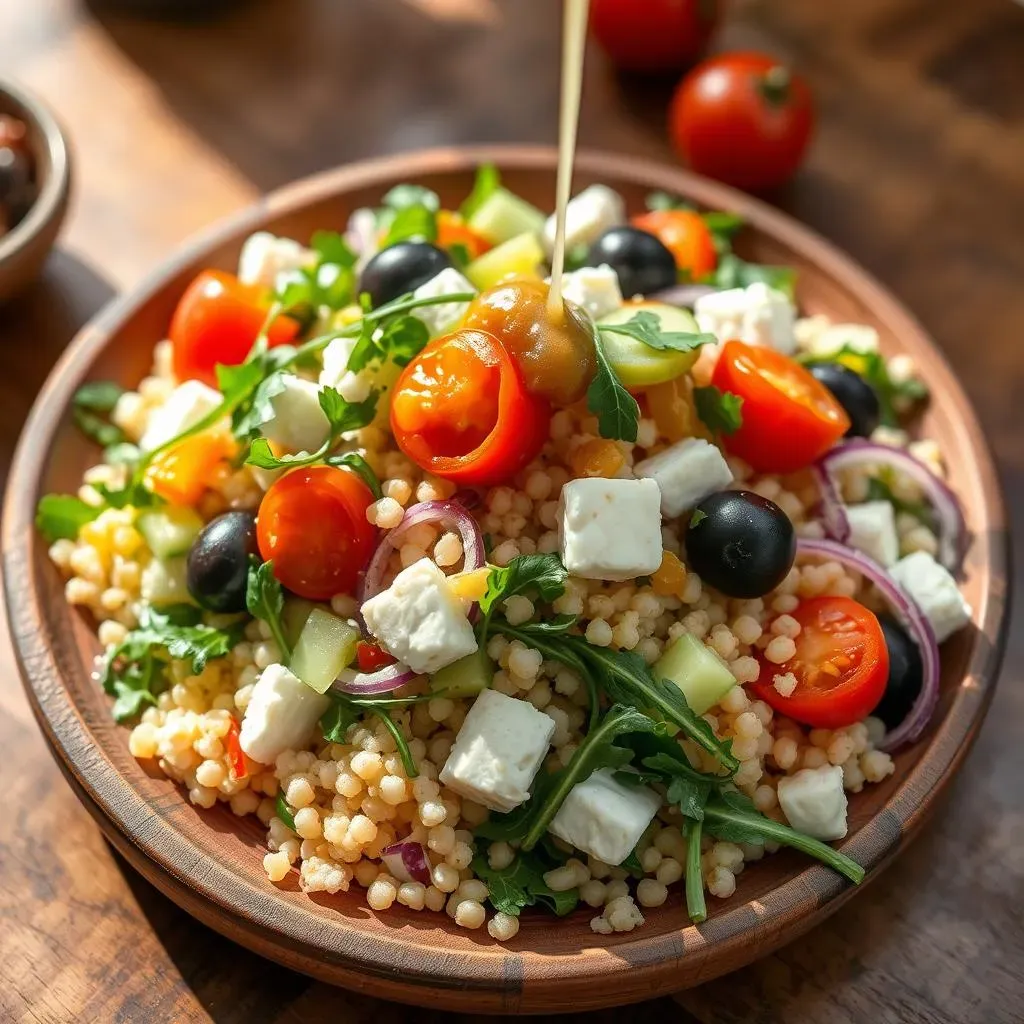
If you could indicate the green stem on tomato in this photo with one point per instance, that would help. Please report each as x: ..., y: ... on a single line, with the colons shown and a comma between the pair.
x: 695, y: 904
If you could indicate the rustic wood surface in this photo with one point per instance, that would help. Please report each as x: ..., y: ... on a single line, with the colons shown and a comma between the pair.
x: 917, y: 173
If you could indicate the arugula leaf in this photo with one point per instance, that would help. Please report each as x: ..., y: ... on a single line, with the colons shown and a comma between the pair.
x: 283, y: 811
x: 687, y: 788
x: 720, y: 411
x: 408, y: 762
x: 403, y: 196
x: 412, y: 223
x: 617, y: 412
x: 521, y: 885
x: 733, y: 272
x: 98, y: 395
x: 487, y: 182
x: 265, y: 600
x: 336, y: 721
x: 551, y: 627
x: 345, y: 711
x: 659, y: 200
x: 543, y: 573
x: 92, y: 398
x: 695, y: 904
x: 355, y: 462
x: 61, y: 516
x: 646, y: 327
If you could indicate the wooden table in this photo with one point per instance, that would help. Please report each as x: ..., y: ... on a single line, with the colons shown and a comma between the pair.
x: 917, y: 172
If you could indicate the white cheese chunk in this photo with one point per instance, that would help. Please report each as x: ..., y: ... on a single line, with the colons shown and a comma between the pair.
x: 757, y: 314
x: 829, y: 340
x: 281, y: 715
x: 298, y: 424
x: 265, y: 257
x: 610, y: 529
x: 353, y: 387
x: 186, y: 405
x: 587, y: 216
x: 873, y: 531
x: 595, y: 289
x: 498, y: 751
x: 420, y: 619
x: 814, y: 801
x: 934, y: 591
x: 444, y: 317
x: 604, y: 818
x: 686, y: 473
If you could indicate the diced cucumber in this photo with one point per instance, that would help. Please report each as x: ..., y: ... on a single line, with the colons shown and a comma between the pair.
x: 293, y: 617
x: 638, y: 365
x: 519, y: 256
x: 326, y: 645
x: 465, y: 677
x: 503, y: 215
x: 169, y: 531
x: 698, y: 671
x: 164, y: 582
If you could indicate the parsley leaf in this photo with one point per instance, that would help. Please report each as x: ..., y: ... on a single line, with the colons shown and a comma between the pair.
x: 359, y: 466
x: 403, y: 196
x: 543, y: 573
x: 522, y: 884
x: 487, y: 182
x: 92, y: 399
x: 412, y: 223
x: 699, y: 515
x: 646, y: 327
x: 733, y: 272
x: 61, y: 516
x: 328, y: 283
x: 400, y: 339
x: 720, y: 411
x: 265, y: 600
x: 617, y: 412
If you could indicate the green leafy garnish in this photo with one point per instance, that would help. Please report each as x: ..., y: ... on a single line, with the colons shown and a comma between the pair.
x: 345, y: 711
x: 544, y: 574
x: 460, y: 255
x: 487, y: 182
x: 698, y: 516
x: 98, y: 395
x: 264, y: 598
x: 400, y: 340
x: 61, y: 516
x: 720, y: 411
x: 659, y: 200
x: 550, y: 627
x: 359, y: 466
x: 329, y: 283
x: 336, y: 721
x: 617, y: 412
x: 416, y: 223
x: 880, y: 489
x: 723, y: 227
x: 645, y: 327
x: 92, y: 401
x: 733, y: 272
x: 133, y: 493
x: 283, y: 811
x: 687, y: 788
x: 695, y: 904
x: 522, y: 884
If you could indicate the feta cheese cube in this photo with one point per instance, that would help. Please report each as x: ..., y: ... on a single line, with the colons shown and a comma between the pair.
x: 265, y: 257
x: 281, y: 715
x: 186, y: 405
x: 934, y: 591
x: 420, y: 619
x: 298, y: 424
x: 587, y: 216
x: 757, y: 314
x: 814, y: 801
x: 353, y: 387
x: 873, y: 531
x: 604, y: 818
x: 686, y: 473
x: 498, y: 751
x: 610, y: 529
x: 595, y: 289
x: 442, y: 318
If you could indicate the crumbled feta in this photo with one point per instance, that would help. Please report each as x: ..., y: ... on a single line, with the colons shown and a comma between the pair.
x: 814, y: 801
x: 934, y: 591
x: 873, y: 531
x: 831, y: 339
x: 757, y: 314
x: 498, y: 751
x: 442, y: 318
x: 686, y: 473
x: 595, y: 289
x: 604, y: 818
x: 298, y: 424
x: 610, y: 529
x: 353, y: 387
x: 420, y: 619
x: 587, y: 216
x: 281, y: 714
x: 186, y: 405
x: 265, y: 257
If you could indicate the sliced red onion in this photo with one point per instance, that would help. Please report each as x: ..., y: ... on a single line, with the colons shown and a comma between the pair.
x: 681, y: 294
x: 831, y: 507
x: 917, y: 624
x: 407, y: 861
x: 366, y: 684
x: 952, y: 530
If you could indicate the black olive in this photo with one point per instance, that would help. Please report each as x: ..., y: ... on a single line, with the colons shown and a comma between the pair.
x: 906, y: 674
x: 401, y: 268
x: 740, y: 543
x: 854, y: 394
x: 218, y: 562
x: 642, y: 262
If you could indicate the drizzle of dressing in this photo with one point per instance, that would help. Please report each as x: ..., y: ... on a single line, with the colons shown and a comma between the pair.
x: 574, y: 36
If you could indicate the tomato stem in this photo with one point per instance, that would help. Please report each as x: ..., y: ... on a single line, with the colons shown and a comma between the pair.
x: 774, y: 85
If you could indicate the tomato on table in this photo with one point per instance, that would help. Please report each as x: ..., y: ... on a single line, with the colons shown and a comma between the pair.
x: 182, y: 473
x: 370, y: 657
x: 216, y: 321
x: 790, y: 419
x: 841, y: 665
x: 461, y: 410
x: 685, y: 234
x: 744, y: 119
x: 452, y: 230
x: 653, y: 35
x: 312, y: 524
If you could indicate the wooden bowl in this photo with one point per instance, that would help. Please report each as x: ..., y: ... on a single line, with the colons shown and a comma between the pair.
x: 24, y: 249
x: 209, y: 862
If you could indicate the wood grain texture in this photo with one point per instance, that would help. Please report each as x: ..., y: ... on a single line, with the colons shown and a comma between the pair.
x: 916, y: 174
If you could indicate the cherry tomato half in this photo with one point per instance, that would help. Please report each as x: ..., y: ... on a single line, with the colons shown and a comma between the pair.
x: 841, y: 665
x: 653, y: 35
x: 312, y: 524
x: 370, y: 657
x: 216, y: 321
x: 686, y: 236
x: 789, y: 418
x: 461, y: 410
x: 743, y: 118
x: 452, y: 230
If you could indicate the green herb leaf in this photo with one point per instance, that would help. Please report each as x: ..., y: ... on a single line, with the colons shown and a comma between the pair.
x: 697, y: 517
x: 134, y: 493
x: 722, y: 224
x: 687, y: 788
x: 460, y: 255
x: 666, y: 201
x: 487, y: 182
x: 720, y: 411
x: 521, y: 885
x: 408, y: 762
x: 646, y: 327
x: 61, y: 516
x: 359, y: 466
x: 695, y: 904
x: 332, y: 248
x: 122, y: 454
x: 345, y: 711
x: 550, y: 627
x: 96, y: 428
x: 401, y: 197
x: 544, y: 574
x: 576, y: 256
x: 98, y: 395
x: 403, y: 338
x: 265, y: 600
x: 733, y: 272
x: 415, y: 223
x: 880, y: 489
x: 617, y: 412
x: 338, y: 719
x: 283, y: 811
x: 92, y: 398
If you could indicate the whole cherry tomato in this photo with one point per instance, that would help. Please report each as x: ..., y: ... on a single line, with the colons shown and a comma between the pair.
x: 653, y: 35
x: 685, y: 234
x: 744, y: 119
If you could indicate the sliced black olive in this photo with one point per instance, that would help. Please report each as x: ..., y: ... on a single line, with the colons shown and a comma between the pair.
x: 906, y: 674
x: 401, y: 268
x: 640, y: 260
x: 218, y: 562
x: 854, y: 394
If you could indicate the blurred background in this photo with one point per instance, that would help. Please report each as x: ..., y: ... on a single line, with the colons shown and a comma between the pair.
x: 180, y: 111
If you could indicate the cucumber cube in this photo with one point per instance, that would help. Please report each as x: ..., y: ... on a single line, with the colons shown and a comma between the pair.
x: 326, y: 645
x: 698, y: 671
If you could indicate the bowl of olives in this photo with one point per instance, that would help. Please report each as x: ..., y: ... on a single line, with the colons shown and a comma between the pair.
x: 34, y: 184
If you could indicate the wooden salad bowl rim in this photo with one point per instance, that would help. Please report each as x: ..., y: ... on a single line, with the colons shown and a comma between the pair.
x: 420, y: 962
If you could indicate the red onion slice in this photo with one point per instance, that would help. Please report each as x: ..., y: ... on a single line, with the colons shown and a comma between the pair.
x: 407, y: 861
x: 952, y: 530
x: 831, y: 507
x: 917, y: 624
x: 366, y: 684
x: 682, y: 294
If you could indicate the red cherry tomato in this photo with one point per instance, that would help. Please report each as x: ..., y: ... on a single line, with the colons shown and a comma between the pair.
x: 216, y: 321
x: 452, y: 230
x: 236, y: 756
x: 789, y: 418
x: 461, y: 410
x: 841, y: 665
x: 743, y: 118
x: 312, y: 524
x: 370, y: 657
x: 653, y: 35
x: 686, y: 236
